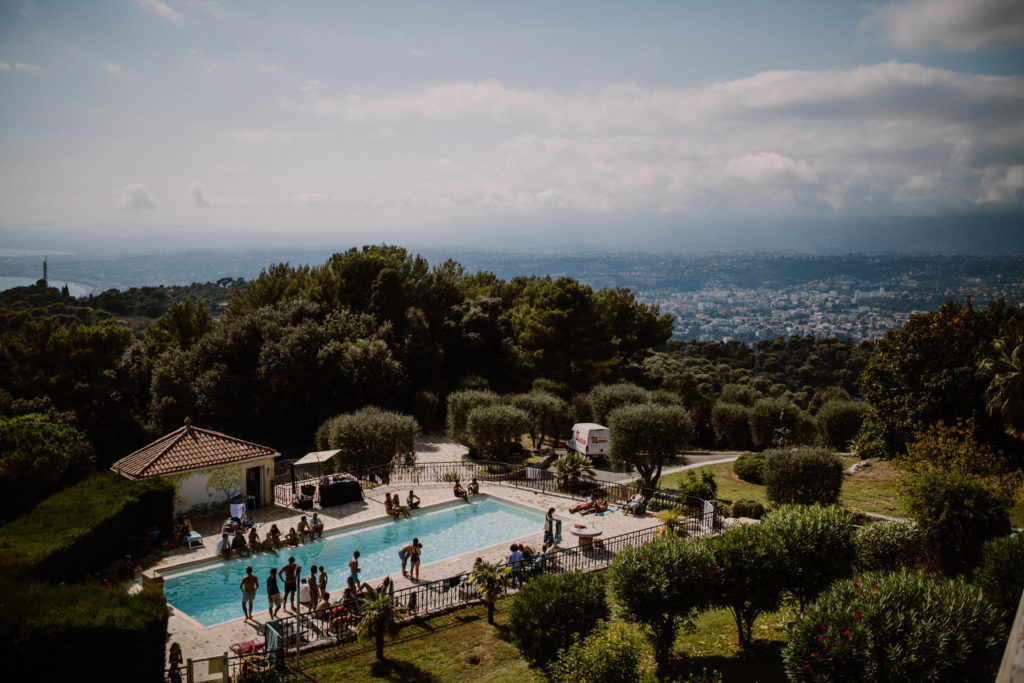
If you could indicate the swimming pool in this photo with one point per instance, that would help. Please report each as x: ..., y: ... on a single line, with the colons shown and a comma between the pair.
x: 209, y: 593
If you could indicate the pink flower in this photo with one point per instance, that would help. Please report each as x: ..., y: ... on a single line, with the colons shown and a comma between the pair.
x: 857, y: 616
x: 874, y: 585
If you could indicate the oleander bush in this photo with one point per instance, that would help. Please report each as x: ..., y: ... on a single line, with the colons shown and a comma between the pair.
x: 888, y: 546
x: 611, y: 654
x: 1001, y: 573
x: 553, y: 611
x: 896, y: 627
x: 747, y: 508
x: 80, y: 530
x: 803, y: 476
x: 817, y: 547
x: 957, y: 514
x: 663, y: 585
x: 750, y: 467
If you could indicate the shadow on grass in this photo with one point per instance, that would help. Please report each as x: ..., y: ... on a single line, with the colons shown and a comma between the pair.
x: 762, y: 663
x: 399, y: 670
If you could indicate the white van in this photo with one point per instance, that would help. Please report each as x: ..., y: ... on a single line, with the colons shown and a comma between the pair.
x: 592, y: 440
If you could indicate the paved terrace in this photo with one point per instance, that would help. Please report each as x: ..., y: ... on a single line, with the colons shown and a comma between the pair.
x: 198, y: 641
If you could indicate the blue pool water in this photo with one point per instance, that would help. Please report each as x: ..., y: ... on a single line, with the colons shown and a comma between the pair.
x: 210, y: 594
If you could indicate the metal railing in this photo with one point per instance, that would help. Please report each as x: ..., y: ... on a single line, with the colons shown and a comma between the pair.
x: 329, y: 627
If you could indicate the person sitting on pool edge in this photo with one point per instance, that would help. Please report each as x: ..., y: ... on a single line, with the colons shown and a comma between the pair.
x: 224, y: 546
x: 474, y: 487
x: 274, y: 536
x: 390, y: 508
x: 396, y: 503
x: 238, y: 543
x: 254, y: 541
x: 303, y: 529
x: 316, y: 527
x: 413, y: 501
x: 460, y: 492
x: 292, y: 538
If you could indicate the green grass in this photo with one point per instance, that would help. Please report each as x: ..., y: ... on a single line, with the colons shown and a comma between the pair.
x: 462, y: 646
x: 872, y: 489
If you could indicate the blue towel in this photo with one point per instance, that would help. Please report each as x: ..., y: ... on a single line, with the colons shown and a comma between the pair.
x: 270, y: 638
x: 558, y: 531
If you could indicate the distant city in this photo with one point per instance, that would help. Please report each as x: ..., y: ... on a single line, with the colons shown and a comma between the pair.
x: 715, y: 296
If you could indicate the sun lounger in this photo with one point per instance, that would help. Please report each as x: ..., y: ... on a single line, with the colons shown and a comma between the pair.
x: 193, y: 539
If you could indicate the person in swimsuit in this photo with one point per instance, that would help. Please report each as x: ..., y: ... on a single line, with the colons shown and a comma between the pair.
x: 290, y: 573
x: 314, y: 590
x: 273, y: 594
x: 353, y: 567
x: 406, y: 552
x: 292, y: 538
x: 474, y: 487
x: 224, y: 546
x: 316, y: 527
x: 322, y: 580
x: 249, y: 585
x: 275, y: 536
x: 389, y: 507
x: 254, y: 541
x: 396, y: 503
x: 414, y: 561
x: 304, y: 528
x: 459, y: 491
x: 412, y: 501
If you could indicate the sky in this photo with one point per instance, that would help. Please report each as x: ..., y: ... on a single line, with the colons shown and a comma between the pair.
x: 220, y: 123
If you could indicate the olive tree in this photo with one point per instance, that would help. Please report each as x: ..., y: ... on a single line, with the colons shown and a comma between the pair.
x: 493, y: 429
x: 460, y: 404
x: 369, y: 438
x: 645, y: 436
x: 547, y: 414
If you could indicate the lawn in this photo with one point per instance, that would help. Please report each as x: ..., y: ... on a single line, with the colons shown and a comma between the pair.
x: 871, y: 489
x: 461, y: 646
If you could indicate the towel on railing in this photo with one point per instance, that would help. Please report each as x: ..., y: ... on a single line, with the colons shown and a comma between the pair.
x: 271, y: 639
x: 412, y: 601
x: 558, y: 531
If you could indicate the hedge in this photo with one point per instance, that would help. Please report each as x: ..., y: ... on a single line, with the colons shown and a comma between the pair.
x: 80, y: 530
x: 81, y: 632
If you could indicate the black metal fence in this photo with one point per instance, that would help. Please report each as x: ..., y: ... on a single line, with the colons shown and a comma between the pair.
x: 314, y: 630
x: 520, y: 476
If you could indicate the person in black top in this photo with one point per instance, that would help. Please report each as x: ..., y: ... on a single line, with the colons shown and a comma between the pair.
x: 273, y: 594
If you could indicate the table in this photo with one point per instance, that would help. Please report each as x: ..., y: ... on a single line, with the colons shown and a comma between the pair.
x: 586, y: 536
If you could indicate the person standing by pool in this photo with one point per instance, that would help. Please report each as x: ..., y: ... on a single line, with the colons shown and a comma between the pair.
x: 314, y: 592
x: 322, y: 581
x: 290, y: 573
x: 248, y: 585
x: 414, y: 560
x: 406, y: 552
x: 273, y: 593
x: 549, y: 526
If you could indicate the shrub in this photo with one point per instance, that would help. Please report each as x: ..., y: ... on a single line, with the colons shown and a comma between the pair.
x: 773, y: 422
x: 81, y: 529
x: 731, y: 424
x: 839, y: 421
x: 817, y: 546
x: 460, y: 404
x: 552, y: 611
x: 957, y: 514
x: 748, y: 577
x: 747, y: 508
x: 896, y: 627
x: 494, y: 429
x: 104, y: 633
x: 1001, y: 573
x: 803, y: 476
x: 699, y: 486
x: 750, y: 467
x: 662, y: 585
x: 888, y: 546
x: 608, y: 655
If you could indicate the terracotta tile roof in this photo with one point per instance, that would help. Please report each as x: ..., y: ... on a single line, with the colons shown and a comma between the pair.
x: 188, y: 448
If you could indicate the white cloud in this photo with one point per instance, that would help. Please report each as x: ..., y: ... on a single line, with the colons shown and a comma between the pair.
x: 418, y: 53
x: 891, y: 90
x: 311, y: 199
x: 116, y: 70
x: 161, y: 9
x: 261, y: 136
x: 18, y: 66
x: 211, y: 7
x: 199, y: 196
x: 135, y: 198
x: 1002, y: 186
x: 953, y: 25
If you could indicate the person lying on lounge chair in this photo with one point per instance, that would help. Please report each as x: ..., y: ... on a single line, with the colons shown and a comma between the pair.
x: 590, y: 502
x: 598, y: 507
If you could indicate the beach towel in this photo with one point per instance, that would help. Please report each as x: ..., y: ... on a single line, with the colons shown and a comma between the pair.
x: 412, y: 601
x: 558, y: 531
x: 271, y: 641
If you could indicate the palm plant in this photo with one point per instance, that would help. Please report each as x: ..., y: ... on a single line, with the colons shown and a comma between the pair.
x: 490, y: 580
x: 1005, y: 392
x: 671, y: 521
x: 379, y: 618
x: 571, y: 466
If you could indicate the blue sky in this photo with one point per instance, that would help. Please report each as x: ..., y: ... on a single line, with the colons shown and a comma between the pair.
x: 157, y: 122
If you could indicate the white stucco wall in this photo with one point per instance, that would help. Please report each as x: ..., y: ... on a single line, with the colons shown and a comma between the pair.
x: 193, y: 487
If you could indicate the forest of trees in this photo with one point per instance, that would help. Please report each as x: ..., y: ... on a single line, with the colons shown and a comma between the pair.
x: 380, y: 327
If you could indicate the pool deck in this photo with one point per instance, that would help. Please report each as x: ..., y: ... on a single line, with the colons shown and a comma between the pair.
x: 198, y: 641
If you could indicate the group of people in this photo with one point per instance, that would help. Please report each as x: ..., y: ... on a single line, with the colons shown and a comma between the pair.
x: 393, y: 505
x: 472, y: 489
x: 411, y: 554
x: 242, y: 545
x: 591, y: 506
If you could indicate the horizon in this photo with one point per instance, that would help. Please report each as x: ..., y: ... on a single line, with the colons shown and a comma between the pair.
x: 136, y: 125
